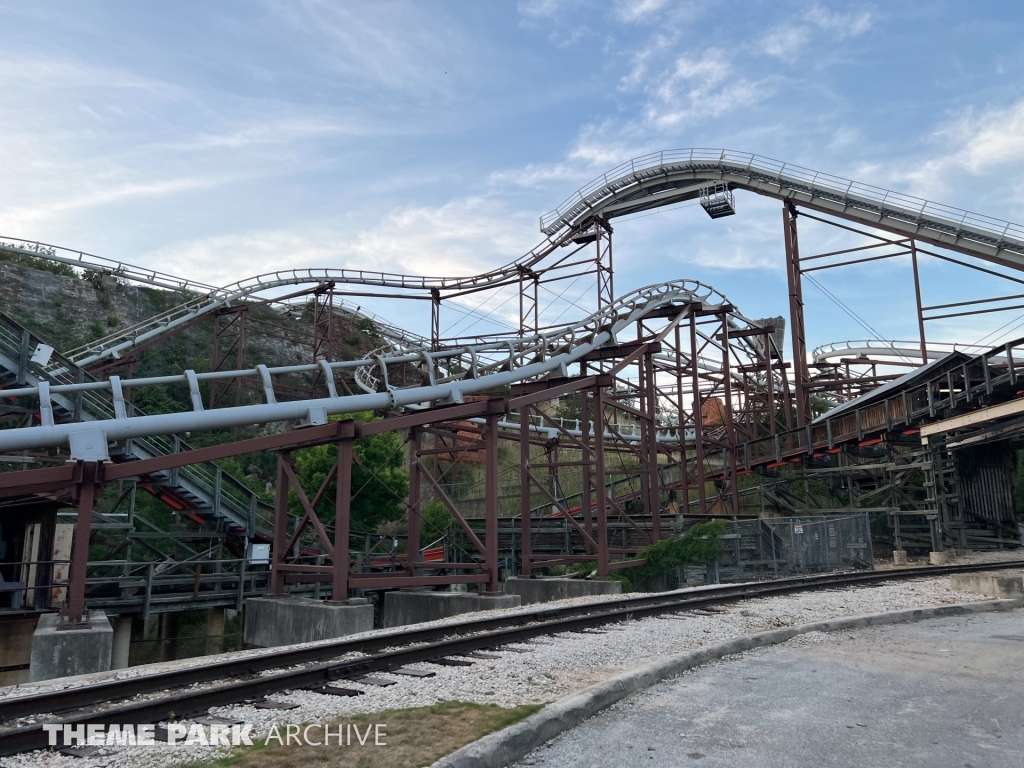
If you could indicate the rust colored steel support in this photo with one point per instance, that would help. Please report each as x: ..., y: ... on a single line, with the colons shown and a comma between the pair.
x: 603, y: 265
x: 649, y: 427
x: 770, y: 377
x: 277, y: 554
x: 435, y: 319
x: 599, y: 482
x: 730, y: 424
x: 681, y: 418
x: 917, y: 295
x: 529, y: 301
x: 587, y: 459
x: 87, y: 492
x: 323, y: 309
x: 228, y: 352
x: 342, y: 522
x: 524, y: 494
x: 412, y: 548
x: 801, y: 380
x: 491, y: 501
x: 323, y: 324
x: 698, y: 421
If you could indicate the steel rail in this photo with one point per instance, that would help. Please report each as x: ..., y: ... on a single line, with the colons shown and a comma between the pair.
x: 492, y: 364
x: 672, y: 176
x: 886, y: 348
x: 92, y: 263
x: 416, y: 646
x: 651, y: 181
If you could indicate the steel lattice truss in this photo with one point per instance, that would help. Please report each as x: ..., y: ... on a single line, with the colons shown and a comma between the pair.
x: 694, y: 400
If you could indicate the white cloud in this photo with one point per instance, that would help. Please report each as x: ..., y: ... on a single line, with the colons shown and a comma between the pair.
x: 405, y: 47
x: 28, y: 217
x: 467, y: 236
x: 541, y: 9
x: 535, y: 175
x: 463, y: 237
x: 700, y: 88
x: 632, y: 11
x: 849, y: 24
x: 975, y: 145
x: 752, y: 244
x: 785, y: 41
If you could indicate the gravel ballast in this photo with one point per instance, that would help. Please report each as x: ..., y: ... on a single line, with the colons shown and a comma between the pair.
x: 552, y: 667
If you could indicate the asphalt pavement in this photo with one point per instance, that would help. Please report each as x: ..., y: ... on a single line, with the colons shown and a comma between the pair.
x: 935, y: 693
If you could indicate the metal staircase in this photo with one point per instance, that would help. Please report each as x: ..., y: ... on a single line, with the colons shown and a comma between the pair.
x: 203, y: 492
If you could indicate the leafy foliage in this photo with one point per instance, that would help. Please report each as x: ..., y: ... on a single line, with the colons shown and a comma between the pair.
x: 437, y: 520
x: 44, y: 265
x: 701, y: 545
x: 379, y: 484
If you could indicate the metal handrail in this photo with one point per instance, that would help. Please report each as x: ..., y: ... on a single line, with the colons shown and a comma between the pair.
x: 496, y: 363
x: 1000, y: 234
x: 900, y: 348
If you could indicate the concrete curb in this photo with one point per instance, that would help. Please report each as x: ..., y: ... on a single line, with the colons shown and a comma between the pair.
x: 504, y: 747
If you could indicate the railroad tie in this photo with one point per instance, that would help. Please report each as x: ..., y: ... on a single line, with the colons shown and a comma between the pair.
x: 275, y: 705
x: 334, y: 690
x: 380, y: 682
x: 410, y: 672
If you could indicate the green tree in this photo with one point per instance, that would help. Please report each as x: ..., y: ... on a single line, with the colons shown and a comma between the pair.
x: 379, y: 483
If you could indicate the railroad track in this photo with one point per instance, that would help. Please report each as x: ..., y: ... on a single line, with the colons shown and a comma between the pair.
x: 188, y: 692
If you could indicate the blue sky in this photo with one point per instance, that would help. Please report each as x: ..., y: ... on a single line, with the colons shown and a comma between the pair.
x: 220, y: 140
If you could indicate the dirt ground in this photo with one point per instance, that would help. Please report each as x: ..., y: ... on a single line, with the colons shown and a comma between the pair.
x: 411, y: 738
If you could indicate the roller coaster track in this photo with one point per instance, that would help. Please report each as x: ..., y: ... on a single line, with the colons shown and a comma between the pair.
x: 672, y: 176
x: 875, y: 349
x: 488, y: 365
x: 655, y: 180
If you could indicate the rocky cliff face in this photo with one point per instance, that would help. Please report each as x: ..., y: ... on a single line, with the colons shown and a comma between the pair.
x: 69, y: 311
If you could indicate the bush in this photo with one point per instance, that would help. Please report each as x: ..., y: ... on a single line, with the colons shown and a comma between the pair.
x: 366, y: 325
x: 701, y: 545
x: 589, y: 566
x: 44, y: 265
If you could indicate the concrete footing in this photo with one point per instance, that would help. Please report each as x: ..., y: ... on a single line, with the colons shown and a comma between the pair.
x: 273, y: 621
x: 938, y: 558
x: 122, y: 641
x: 545, y: 590
x: 402, y: 607
x: 1001, y: 587
x: 62, y: 650
x: 214, y: 631
x: 899, y: 557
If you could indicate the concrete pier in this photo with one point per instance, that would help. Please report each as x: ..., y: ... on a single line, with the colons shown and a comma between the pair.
x: 122, y: 641
x: 999, y: 587
x: 545, y: 590
x: 214, y: 631
x: 414, y: 607
x: 62, y: 650
x: 274, y: 621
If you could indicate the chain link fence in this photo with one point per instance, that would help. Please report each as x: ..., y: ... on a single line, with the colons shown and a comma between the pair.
x: 785, y: 546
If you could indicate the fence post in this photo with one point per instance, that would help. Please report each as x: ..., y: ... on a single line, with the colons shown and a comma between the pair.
x: 241, y: 584
x: 149, y: 592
